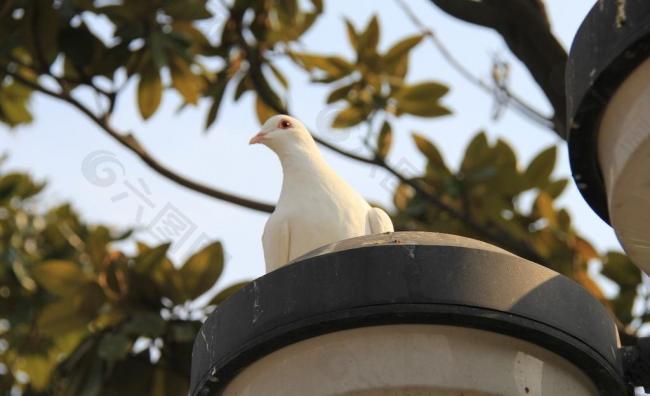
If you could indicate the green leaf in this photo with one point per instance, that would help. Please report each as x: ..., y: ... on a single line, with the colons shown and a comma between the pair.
x: 187, y: 10
x: 60, y: 317
x: 96, y: 244
x: 38, y: 367
x: 279, y: 76
x: 349, y: 116
x: 43, y: 20
x: 156, y: 48
x: 245, y: 84
x: 334, y: 66
x: 71, y: 312
x: 341, y: 92
x: 199, y: 44
x: 353, y: 36
x: 540, y: 168
x: 476, y: 155
x: 114, y: 347
x: 564, y: 220
x: 423, y: 109
x: 623, y: 304
x: 369, y: 39
x: 402, y: 196
x: 425, y: 91
x: 263, y: 111
x: 148, y: 260
x: 143, y: 323
x: 429, y: 150
x: 287, y: 10
x: 401, y: 49
x: 18, y: 185
x: 13, y: 104
x: 620, y: 269
x: 266, y: 93
x: 505, y: 156
x: 149, y: 92
x: 422, y: 99
x: 14, y: 113
x: 555, y: 188
x: 202, y: 270
x: 188, y: 84
x: 227, y: 292
x: 384, y: 140
x: 169, y: 281
x: 59, y: 277
x: 318, y: 5
x: 82, y: 47
x: 397, y: 69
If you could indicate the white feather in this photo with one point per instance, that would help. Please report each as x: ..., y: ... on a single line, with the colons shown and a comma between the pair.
x: 316, y: 206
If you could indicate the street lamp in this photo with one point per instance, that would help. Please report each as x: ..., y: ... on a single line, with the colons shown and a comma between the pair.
x: 411, y: 313
x: 608, y: 98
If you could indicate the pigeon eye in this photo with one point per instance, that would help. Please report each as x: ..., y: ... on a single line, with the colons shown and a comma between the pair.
x: 284, y: 124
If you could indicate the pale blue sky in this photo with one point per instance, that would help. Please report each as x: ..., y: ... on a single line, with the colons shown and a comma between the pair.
x: 54, y: 147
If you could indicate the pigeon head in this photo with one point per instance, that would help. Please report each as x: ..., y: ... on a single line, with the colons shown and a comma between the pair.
x: 282, y: 132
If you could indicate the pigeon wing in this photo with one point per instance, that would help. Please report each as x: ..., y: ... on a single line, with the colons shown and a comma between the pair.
x: 378, y: 221
x: 275, y: 241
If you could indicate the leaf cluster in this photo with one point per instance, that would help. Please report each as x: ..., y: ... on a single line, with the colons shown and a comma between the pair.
x: 160, y: 44
x: 492, y: 188
x: 80, y: 317
x: 374, y: 80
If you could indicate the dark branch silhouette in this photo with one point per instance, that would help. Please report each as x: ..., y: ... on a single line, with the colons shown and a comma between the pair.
x: 524, y: 26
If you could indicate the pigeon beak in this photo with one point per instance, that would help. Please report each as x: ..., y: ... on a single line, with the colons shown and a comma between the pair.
x: 257, y: 138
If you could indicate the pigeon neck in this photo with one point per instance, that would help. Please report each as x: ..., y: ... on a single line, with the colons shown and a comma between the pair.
x: 301, y: 164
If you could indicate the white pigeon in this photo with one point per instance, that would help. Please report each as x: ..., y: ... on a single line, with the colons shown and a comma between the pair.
x: 316, y: 206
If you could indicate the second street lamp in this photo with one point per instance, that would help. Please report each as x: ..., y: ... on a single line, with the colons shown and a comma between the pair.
x: 608, y: 97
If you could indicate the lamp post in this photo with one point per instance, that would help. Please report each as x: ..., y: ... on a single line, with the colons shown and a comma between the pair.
x: 441, y: 315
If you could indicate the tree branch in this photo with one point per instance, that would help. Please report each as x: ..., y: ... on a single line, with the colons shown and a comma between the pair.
x: 518, y: 103
x: 524, y: 26
x: 130, y: 142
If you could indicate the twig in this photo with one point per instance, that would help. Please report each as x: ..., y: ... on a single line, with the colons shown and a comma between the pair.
x: 519, y: 104
x: 63, y: 82
x: 130, y: 142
